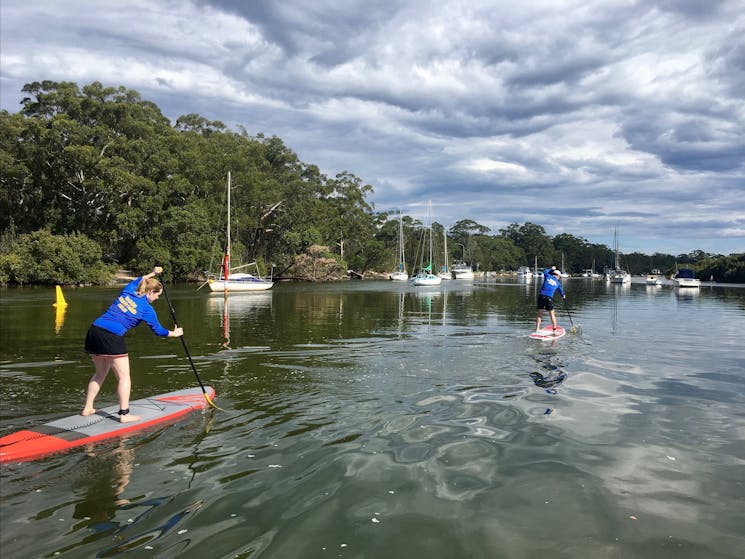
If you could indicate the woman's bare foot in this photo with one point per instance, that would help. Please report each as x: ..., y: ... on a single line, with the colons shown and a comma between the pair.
x: 129, y: 418
x: 87, y: 411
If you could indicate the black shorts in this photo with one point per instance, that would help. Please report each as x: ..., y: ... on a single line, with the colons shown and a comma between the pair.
x: 100, y: 341
x: 545, y: 302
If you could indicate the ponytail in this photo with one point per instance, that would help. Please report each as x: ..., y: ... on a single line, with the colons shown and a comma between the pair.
x: 147, y: 285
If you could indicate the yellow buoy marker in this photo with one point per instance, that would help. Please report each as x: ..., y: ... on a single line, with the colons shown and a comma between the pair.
x: 60, y: 299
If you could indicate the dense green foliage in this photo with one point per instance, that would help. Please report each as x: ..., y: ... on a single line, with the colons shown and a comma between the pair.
x: 95, y: 178
x: 43, y: 258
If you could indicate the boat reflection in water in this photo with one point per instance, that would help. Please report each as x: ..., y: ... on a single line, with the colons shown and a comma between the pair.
x: 237, y: 305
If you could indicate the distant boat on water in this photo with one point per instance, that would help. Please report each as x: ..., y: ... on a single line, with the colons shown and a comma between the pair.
x: 685, y: 277
x: 424, y: 276
x: 462, y: 271
x: 524, y: 273
x: 399, y: 273
x: 445, y: 272
x: 618, y: 274
x: 228, y: 281
x: 653, y: 279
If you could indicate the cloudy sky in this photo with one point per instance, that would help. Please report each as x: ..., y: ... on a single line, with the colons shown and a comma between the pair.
x: 578, y: 116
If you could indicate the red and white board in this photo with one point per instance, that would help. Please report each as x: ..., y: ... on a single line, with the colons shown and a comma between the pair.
x: 70, y: 432
x: 548, y: 333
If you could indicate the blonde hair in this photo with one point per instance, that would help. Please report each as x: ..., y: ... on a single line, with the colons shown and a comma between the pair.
x: 149, y: 284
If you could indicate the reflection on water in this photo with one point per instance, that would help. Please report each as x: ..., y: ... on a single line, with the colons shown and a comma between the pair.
x: 370, y: 419
x: 236, y: 304
x: 59, y: 317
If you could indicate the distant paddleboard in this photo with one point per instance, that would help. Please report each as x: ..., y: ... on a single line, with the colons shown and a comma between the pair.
x: 548, y: 333
x: 70, y: 432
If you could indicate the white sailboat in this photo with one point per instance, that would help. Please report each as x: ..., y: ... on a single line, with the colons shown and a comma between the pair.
x: 400, y: 273
x: 229, y: 282
x: 445, y: 272
x: 618, y: 274
x: 425, y: 277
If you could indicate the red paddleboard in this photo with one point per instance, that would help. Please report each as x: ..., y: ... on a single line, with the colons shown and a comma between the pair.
x: 548, y: 333
x: 63, y: 434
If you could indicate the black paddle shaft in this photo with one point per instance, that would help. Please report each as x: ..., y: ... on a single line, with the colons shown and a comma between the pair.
x: 183, y: 341
x: 566, y: 307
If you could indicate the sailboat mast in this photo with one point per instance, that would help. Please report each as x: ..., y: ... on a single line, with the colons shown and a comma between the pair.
x: 445, y: 235
x: 430, y: 236
x: 615, y: 247
x: 226, y: 258
x: 401, y: 257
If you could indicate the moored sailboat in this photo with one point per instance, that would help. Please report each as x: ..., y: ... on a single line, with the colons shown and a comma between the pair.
x: 445, y: 272
x: 228, y: 281
x: 399, y: 273
x: 618, y: 274
x: 425, y: 277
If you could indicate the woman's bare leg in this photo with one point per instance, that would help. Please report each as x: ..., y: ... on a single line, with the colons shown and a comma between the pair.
x: 553, y: 319
x: 120, y: 366
x: 102, y: 365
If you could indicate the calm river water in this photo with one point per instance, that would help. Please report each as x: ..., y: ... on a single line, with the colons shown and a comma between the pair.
x: 375, y: 420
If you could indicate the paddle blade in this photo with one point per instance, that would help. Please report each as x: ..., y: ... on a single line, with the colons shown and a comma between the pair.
x: 211, y: 403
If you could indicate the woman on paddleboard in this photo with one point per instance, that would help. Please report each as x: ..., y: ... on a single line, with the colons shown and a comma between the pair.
x: 551, y: 283
x: 105, y: 338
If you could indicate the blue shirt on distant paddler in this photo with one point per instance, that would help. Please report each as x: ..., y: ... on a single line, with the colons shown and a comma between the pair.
x: 551, y: 284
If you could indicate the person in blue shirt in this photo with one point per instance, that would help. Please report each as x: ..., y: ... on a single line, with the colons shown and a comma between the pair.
x: 105, y: 339
x: 551, y: 283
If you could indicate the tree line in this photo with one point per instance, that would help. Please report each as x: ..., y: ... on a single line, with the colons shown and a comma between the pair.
x: 96, y: 178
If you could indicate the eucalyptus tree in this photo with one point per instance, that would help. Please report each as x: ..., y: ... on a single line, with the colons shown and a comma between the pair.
x: 461, y: 234
x: 351, y: 223
x: 503, y: 254
x: 95, y: 158
x: 534, y: 242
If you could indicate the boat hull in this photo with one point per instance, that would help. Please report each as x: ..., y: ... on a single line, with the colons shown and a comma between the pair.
x: 653, y: 280
x: 687, y: 282
x: 255, y: 284
x: 426, y: 280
